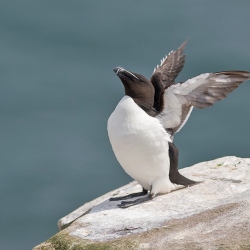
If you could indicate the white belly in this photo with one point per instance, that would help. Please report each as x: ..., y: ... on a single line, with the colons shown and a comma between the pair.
x: 140, y: 144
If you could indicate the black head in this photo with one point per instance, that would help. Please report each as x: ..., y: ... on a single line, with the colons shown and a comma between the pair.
x: 137, y: 87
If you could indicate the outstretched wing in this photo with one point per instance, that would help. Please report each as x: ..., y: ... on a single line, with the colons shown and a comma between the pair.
x: 165, y: 73
x: 201, y: 91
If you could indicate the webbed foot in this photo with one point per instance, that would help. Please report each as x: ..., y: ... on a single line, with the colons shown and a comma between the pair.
x: 126, y: 204
x: 130, y: 196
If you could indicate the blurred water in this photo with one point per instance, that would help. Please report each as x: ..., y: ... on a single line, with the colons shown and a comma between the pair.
x: 57, y: 90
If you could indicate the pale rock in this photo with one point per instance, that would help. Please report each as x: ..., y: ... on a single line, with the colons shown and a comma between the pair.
x: 214, y: 214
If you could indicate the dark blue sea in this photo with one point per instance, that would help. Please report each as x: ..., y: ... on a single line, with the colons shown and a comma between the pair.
x: 57, y: 90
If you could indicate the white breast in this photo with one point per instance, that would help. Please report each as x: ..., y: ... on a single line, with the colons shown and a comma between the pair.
x: 140, y: 144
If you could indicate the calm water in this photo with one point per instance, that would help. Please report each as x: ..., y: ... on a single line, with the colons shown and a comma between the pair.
x: 57, y: 90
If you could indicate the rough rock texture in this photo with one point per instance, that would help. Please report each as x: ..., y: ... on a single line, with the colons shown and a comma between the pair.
x: 214, y: 214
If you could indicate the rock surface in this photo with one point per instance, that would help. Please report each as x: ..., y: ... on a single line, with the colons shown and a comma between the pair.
x: 214, y: 214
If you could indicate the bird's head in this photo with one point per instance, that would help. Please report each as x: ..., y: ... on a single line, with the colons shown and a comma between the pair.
x: 137, y: 87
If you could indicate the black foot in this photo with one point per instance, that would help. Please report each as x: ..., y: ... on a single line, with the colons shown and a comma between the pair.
x: 126, y: 204
x: 130, y: 196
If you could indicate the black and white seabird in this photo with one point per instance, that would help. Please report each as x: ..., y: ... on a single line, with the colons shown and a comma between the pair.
x: 142, y: 127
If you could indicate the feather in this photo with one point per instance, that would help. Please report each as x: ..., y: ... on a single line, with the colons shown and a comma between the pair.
x: 201, y: 92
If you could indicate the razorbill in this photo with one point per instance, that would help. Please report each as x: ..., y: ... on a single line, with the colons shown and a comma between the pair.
x: 143, y: 124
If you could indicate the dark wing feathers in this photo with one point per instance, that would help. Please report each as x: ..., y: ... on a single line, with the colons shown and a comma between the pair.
x: 165, y: 74
x: 201, y: 92
x: 218, y: 86
x: 174, y: 102
x: 170, y: 66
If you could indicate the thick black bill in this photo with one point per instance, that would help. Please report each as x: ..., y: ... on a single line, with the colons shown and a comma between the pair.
x: 121, y: 72
x: 117, y: 69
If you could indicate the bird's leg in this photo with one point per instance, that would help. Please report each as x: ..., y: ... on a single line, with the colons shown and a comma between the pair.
x: 130, y: 196
x: 174, y: 175
x: 126, y: 204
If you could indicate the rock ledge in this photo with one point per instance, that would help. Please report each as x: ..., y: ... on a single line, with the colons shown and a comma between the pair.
x: 214, y: 214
